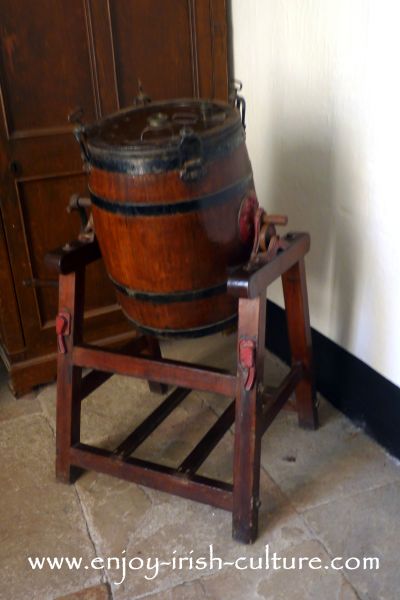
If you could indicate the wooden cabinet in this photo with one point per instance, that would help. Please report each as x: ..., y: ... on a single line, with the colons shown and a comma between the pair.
x: 58, y: 56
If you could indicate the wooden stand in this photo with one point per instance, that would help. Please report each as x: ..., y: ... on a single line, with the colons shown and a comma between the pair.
x: 252, y: 408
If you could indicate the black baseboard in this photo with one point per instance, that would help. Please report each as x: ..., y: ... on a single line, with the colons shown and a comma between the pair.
x: 365, y: 396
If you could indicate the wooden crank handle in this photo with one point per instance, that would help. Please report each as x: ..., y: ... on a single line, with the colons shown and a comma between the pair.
x: 274, y: 219
x: 268, y: 238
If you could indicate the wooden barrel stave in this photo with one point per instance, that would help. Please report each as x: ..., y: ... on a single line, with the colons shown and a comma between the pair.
x: 168, y: 187
x: 180, y: 315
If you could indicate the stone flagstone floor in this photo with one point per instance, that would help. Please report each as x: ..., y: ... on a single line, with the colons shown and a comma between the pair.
x: 329, y: 493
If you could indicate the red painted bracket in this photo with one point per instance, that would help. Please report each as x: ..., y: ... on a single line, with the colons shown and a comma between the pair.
x: 247, y: 361
x: 63, y: 328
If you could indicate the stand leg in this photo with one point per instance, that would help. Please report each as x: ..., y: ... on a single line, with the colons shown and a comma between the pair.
x: 71, y: 302
x: 155, y: 352
x: 298, y: 321
x: 246, y: 482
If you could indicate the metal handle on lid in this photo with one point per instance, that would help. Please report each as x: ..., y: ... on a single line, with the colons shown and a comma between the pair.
x: 79, y: 131
x: 185, y: 118
x: 156, y: 122
x: 141, y: 98
x: 80, y: 135
x: 238, y: 101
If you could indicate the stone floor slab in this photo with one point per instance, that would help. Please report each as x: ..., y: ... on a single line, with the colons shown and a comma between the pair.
x: 98, y: 592
x: 27, y: 451
x: 186, y: 591
x: 314, y: 467
x: 283, y: 584
x: 364, y: 525
x: 38, y: 517
x: 177, y: 527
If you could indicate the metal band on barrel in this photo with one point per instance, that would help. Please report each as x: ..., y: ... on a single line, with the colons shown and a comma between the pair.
x: 170, y: 208
x: 170, y: 297
x: 143, y: 160
x: 186, y: 333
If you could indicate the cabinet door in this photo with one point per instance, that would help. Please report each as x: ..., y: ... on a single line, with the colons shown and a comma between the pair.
x: 176, y: 48
x: 47, y: 71
x: 56, y: 56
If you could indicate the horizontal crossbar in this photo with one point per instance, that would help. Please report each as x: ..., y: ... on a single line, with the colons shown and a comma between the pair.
x: 250, y: 283
x: 200, y: 453
x: 158, y: 415
x: 269, y: 394
x: 94, y: 379
x: 73, y: 256
x: 159, y: 477
x: 272, y: 404
x: 172, y: 372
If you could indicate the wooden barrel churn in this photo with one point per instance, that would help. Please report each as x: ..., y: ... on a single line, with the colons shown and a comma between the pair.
x: 167, y: 182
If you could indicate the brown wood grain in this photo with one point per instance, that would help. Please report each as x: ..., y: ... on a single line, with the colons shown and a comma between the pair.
x: 173, y: 252
x: 202, y: 489
x: 248, y: 424
x: 69, y: 376
x: 165, y: 371
x: 299, y: 330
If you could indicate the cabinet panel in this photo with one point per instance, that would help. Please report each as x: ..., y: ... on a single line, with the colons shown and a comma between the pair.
x: 50, y: 197
x: 156, y: 48
x: 45, y: 64
x: 11, y: 336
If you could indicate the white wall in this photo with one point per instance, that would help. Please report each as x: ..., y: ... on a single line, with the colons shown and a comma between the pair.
x: 322, y: 84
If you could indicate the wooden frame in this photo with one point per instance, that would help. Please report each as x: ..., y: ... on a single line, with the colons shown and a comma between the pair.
x: 252, y: 409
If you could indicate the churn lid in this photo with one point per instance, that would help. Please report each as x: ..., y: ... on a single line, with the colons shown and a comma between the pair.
x: 161, y: 136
